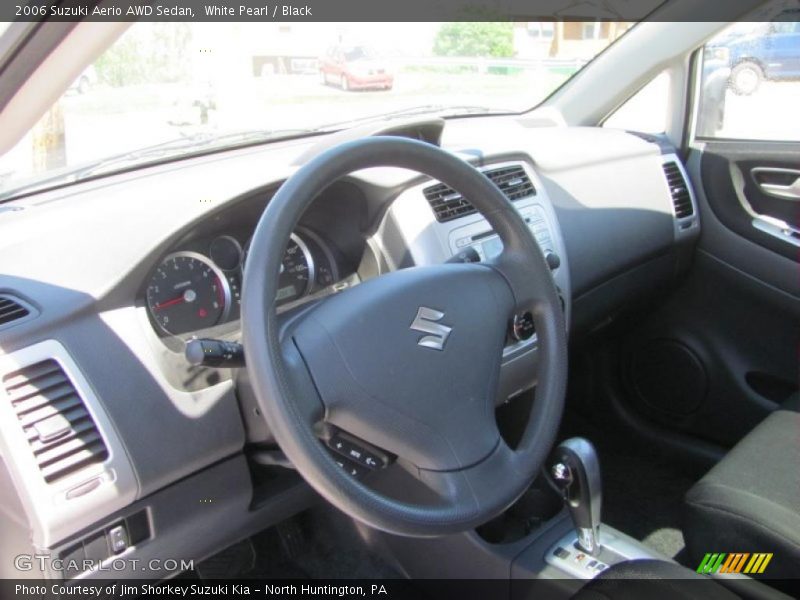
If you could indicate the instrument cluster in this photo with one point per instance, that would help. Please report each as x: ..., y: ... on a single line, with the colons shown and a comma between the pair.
x: 199, y: 287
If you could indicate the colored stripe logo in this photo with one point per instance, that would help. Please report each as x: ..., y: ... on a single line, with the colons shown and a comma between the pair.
x: 735, y: 562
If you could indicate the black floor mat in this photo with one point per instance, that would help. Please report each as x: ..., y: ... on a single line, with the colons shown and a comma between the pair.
x: 643, y: 498
x: 323, y: 544
x: 642, y: 490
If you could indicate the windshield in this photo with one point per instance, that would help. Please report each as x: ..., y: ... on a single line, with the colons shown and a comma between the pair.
x: 165, y: 90
x: 359, y: 52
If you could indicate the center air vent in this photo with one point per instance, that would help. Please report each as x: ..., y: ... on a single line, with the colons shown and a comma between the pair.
x: 447, y: 204
x: 11, y: 310
x: 679, y: 190
x: 60, y: 431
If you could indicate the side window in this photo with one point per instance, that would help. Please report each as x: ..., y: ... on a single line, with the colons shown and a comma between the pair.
x: 750, y: 82
x: 646, y: 110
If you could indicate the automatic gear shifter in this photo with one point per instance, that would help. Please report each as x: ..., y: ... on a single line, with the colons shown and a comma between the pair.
x: 576, y: 471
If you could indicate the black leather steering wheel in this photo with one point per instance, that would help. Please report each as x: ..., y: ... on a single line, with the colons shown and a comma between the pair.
x: 353, y: 360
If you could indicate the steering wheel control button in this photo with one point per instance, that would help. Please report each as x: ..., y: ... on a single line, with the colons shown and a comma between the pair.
x: 349, y: 467
x: 522, y: 327
x: 356, y: 453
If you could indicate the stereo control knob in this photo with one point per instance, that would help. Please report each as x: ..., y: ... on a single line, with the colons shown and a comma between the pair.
x: 553, y: 260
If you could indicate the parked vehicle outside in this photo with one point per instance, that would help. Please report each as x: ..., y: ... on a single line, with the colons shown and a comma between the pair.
x: 770, y: 51
x: 355, y: 68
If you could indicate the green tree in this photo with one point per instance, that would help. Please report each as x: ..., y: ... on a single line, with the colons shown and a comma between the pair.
x: 475, y: 39
x: 147, y: 53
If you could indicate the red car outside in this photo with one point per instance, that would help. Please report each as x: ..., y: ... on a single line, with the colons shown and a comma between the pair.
x: 355, y: 68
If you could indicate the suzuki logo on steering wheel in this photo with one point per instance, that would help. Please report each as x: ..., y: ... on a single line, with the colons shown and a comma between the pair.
x: 425, y: 322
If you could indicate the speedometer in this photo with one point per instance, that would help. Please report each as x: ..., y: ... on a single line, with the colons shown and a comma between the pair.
x: 186, y: 293
x: 297, y: 270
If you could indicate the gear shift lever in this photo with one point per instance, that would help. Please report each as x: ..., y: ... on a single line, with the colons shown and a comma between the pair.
x: 576, y: 472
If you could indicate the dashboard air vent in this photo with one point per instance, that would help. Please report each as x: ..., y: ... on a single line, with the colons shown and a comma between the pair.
x: 512, y: 181
x: 11, y: 310
x: 59, y: 429
x: 447, y: 204
x: 679, y: 190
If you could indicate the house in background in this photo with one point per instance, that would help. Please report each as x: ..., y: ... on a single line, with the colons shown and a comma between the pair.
x: 284, y: 48
x: 569, y: 40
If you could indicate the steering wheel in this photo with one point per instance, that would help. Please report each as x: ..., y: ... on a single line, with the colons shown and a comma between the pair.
x: 409, y: 361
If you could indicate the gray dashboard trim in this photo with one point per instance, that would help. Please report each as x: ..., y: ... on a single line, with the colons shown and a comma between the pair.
x: 219, y: 497
x: 52, y: 514
x: 615, y: 212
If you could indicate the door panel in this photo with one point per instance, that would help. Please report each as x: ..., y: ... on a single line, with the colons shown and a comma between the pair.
x: 715, y: 359
x: 721, y: 352
x: 736, y: 175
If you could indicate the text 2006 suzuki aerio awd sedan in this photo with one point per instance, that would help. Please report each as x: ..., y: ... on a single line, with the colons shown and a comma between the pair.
x: 530, y: 315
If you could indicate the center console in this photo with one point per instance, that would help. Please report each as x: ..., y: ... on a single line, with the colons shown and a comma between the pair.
x: 431, y: 223
x: 552, y: 556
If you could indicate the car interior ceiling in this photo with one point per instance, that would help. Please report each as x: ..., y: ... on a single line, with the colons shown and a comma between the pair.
x: 667, y: 305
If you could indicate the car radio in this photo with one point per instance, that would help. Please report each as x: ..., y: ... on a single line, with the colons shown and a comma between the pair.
x: 488, y: 244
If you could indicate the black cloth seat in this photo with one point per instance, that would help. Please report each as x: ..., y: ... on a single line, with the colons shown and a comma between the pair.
x: 750, y: 501
x: 792, y: 403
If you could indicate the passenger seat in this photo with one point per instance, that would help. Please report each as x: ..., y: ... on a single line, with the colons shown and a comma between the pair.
x: 750, y: 501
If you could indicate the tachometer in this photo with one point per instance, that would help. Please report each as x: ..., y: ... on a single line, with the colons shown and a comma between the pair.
x: 188, y: 292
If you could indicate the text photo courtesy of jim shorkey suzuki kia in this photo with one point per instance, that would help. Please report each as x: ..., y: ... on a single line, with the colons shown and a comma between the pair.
x: 167, y: 590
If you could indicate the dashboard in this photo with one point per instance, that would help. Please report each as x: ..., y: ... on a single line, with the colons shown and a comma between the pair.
x: 114, y: 276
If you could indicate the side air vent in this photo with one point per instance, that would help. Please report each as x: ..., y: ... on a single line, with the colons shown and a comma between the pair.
x: 11, y: 310
x: 59, y: 429
x: 447, y: 204
x: 679, y: 190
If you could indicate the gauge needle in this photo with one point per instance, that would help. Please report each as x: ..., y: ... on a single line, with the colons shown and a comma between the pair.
x: 172, y: 302
x: 187, y: 296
